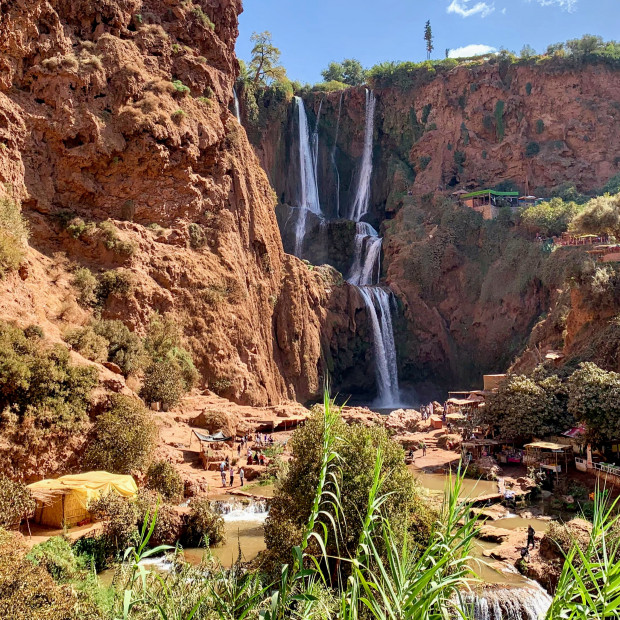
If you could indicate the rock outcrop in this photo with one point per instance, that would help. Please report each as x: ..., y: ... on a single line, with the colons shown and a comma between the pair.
x: 117, y: 111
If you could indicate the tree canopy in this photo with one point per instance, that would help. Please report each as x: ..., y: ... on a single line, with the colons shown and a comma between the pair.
x: 428, y: 37
x: 349, y: 71
x: 552, y: 217
x: 529, y: 406
x: 264, y: 66
x: 601, y: 215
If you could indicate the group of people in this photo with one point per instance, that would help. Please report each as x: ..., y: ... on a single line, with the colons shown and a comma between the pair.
x: 255, y: 458
x: 225, y: 466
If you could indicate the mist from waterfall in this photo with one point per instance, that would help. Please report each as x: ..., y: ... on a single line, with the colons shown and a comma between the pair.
x: 309, y: 192
x: 237, y: 111
x: 361, y: 203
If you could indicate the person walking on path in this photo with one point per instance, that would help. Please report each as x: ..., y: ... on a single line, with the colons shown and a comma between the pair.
x: 423, y: 446
x: 530, y: 537
x: 232, y: 475
x: 223, y: 474
x: 241, y: 475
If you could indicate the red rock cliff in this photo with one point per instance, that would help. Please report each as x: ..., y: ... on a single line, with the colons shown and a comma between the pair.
x: 118, y: 109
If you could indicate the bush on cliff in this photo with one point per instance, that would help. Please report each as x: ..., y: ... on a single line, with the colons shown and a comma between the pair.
x: 38, y: 384
x: 550, y: 218
x: 13, y: 236
x: 16, y: 502
x: 357, y: 447
x: 203, y: 523
x: 124, y: 439
x: 165, y: 479
x: 88, y: 343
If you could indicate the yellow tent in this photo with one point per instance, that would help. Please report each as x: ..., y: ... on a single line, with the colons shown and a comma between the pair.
x: 66, y: 499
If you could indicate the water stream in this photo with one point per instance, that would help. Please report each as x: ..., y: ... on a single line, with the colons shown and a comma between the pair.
x: 366, y: 267
x: 309, y: 192
x: 333, y: 156
x: 237, y: 112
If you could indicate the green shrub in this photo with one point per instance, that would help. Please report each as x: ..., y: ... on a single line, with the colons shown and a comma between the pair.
x: 125, y: 348
x: 203, y: 17
x: 203, y: 522
x: 425, y: 160
x: 88, y: 343
x: 164, y: 478
x: 120, y: 516
x: 540, y: 126
x: 499, y: 120
x: 117, y: 282
x: 426, y: 110
x: 39, y: 383
x: 77, y: 227
x: 56, y: 556
x: 532, y: 149
x: 551, y: 217
x: 163, y: 383
x: 330, y: 87
x: 86, y: 284
x: 16, y: 502
x: 197, y: 236
x: 13, y: 236
x: 178, y: 115
x: 180, y: 88
x: 34, y: 331
x: 124, y: 439
x: 169, y: 523
x: 112, y: 241
x: 528, y: 88
x: 459, y: 160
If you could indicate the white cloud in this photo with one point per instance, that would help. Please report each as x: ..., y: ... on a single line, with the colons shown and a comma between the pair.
x: 504, y: 11
x: 565, y: 5
x: 463, y: 8
x: 475, y: 49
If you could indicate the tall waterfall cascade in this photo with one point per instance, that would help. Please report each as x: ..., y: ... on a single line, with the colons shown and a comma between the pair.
x: 361, y: 203
x: 366, y: 267
x: 333, y: 155
x: 309, y: 191
x: 237, y: 111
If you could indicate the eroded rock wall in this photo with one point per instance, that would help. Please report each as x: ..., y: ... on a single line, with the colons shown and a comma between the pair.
x: 118, y: 110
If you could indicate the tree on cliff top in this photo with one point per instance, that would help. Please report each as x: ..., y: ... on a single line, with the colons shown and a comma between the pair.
x: 264, y: 67
x: 428, y: 37
x: 349, y: 71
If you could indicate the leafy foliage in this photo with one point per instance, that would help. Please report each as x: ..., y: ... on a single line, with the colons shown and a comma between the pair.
x: 356, y: 447
x: 550, y: 218
x: 125, y: 437
x: 164, y: 478
x: 88, y: 343
x: 16, y: 502
x: 594, y: 398
x: 125, y: 348
x: 13, y: 235
x: 263, y: 67
x: 529, y: 406
x: 349, y: 72
x: 120, y: 517
x: 57, y: 557
x: 601, y: 215
x: 38, y: 382
x: 203, y: 522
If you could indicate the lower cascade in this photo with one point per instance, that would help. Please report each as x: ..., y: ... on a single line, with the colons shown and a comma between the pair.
x: 530, y: 602
x: 256, y: 510
x: 377, y: 301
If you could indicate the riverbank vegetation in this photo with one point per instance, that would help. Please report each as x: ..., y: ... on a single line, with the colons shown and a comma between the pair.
x: 346, y: 562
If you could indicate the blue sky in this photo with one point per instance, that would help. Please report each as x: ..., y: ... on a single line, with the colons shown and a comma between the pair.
x: 311, y: 33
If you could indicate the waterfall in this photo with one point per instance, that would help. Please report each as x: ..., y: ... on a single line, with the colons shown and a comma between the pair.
x: 256, y: 510
x: 237, y: 112
x: 333, y: 157
x: 377, y: 302
x: 530, y: 602
x: 366, y: 267
x: 361, y: 203
x: 314, y: 143
x: 309, y: 198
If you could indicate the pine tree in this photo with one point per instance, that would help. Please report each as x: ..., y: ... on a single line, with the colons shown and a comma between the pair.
x: 428, y: 37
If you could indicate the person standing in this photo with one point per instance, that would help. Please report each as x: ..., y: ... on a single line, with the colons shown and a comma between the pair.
x: 223, y: 474
x: 239, y: 450
x: 232, y: 475
x: 423, y: 446
x: 241, y: 475
x: 530, y: 537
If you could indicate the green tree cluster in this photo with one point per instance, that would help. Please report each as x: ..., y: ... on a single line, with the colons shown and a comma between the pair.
x: 264, y: 66
x: 550, y: 218
x: 13, y: 235
x: 529, y: 406
x: 357, y: 447
x: 350, y: 71
x: 601, y: 215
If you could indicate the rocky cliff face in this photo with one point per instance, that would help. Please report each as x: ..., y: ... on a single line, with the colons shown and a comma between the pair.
x: 118, y: 110
x: 470, y: 293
